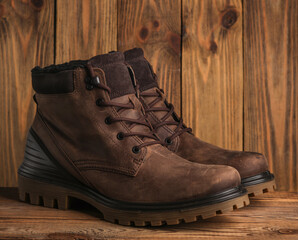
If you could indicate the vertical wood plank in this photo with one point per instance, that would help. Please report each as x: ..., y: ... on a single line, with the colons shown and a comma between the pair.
x: 154, y: 26
x: 85, y: 28
x: 26, y: 36
x: 270, y: 83
x: 212, y: 70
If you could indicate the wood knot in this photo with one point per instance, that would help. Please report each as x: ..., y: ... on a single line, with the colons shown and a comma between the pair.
x: 174, y: 41
x: 37, y: 4
x: 213, y: 47
x: 155, y: 23
x: 229, y: 18
x: 144, y: 33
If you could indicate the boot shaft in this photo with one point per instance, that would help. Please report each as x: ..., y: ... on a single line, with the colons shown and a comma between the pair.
x: 73, y: 112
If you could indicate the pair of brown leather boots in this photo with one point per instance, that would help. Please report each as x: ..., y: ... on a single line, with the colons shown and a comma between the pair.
x: 104, y: 133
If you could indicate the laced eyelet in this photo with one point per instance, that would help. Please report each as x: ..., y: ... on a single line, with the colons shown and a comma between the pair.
x: 95, y: 80
x: 99, y: 101
x: 136, y: 149
x: 120, y: 136
x: 108, y: 120
x: 168, y: 141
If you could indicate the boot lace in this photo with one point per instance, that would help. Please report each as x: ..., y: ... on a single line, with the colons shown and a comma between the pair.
x: 94, y: 81
x: 169, y: 109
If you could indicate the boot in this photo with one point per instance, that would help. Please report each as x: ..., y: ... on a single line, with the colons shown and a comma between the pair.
x: 253, y: 167
x: 90, y: 140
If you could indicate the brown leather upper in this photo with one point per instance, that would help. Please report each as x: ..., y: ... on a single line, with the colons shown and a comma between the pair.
x: 74, y: 130
x: 187, y: 145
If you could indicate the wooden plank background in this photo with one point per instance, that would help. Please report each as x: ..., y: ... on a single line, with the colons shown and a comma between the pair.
x: 212, y: 71
x: 155, y: 26
x: 270, y: 83
x: 26, y: 40
x: 229, y: 66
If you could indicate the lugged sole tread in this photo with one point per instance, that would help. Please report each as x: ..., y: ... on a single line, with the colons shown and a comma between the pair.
x: 61, y: 201
x: 259, y: 189
x: 54, y: 203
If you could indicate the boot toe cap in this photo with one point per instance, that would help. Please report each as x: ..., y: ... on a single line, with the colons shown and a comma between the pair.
x: 222, y: 178
x: 249, y: 164
x: 208, y: 180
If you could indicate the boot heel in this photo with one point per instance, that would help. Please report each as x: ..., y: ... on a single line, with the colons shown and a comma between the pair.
x: 42, y: 194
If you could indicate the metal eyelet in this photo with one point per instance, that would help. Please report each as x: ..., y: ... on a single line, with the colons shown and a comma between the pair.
x: 120, y: 136
x: 99, y: 101
x: 168, y: 141
x: 95, y: 80
x: 108, y: 120
x: 136, y: 149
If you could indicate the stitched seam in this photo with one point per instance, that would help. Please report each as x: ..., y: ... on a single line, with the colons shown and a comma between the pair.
x: 98, y: 166
x: 91, y: 162
x: 177, y: 144
x: 131, y: 173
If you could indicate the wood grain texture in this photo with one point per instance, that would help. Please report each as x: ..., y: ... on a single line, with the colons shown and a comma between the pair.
x: 154, y: 26
x: 270, y: 83
x: 85, y: 28
x: 223, y: 103
x: 212, y: 86
x: 26, y: 40
x: 273, y: 216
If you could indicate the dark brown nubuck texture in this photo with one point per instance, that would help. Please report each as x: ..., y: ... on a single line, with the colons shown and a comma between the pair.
x: 91, y: 140
x: 252, y: 167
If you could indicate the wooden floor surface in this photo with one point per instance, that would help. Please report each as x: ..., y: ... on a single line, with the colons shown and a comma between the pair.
x: 272, y: 216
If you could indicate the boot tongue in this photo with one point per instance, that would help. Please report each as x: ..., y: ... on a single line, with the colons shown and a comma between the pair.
x: 116, y: 73
x: 141, y: 67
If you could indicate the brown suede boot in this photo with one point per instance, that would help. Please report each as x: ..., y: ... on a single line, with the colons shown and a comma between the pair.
x: 253, y: 167
x: 90, y: 140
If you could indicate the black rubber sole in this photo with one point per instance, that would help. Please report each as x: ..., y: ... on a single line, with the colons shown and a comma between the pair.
x: 257, y: 179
